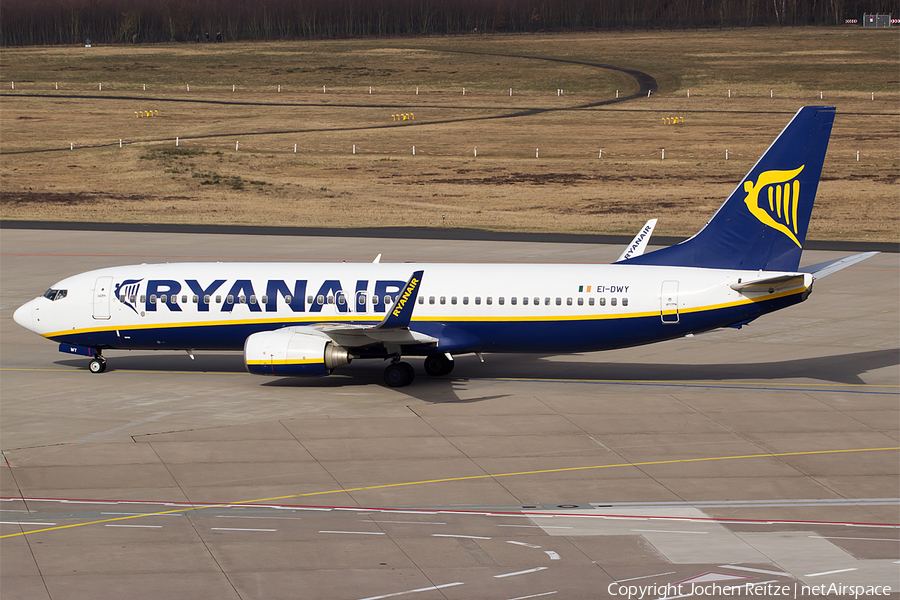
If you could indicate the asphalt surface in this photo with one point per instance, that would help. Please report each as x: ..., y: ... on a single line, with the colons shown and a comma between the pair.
x: 766, y: 456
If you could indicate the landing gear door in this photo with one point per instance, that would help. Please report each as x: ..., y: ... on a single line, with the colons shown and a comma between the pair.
x: 102, y: 295
x: 668, y: 302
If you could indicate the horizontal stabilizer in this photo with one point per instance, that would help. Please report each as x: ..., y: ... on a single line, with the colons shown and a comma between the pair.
x: 821, y: 270
x: 769, y: 284
x: 640, y: 241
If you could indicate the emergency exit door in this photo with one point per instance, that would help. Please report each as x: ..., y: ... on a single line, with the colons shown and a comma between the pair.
x: 668, y: 302
x: 102, y: 295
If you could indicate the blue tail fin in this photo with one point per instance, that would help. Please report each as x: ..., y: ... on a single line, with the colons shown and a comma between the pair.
x: 762, y: 225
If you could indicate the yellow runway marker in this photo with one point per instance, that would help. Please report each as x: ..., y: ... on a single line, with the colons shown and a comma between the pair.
x: 466, y: 478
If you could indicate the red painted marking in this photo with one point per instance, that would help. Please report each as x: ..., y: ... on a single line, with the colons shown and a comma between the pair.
x: 439, y: 510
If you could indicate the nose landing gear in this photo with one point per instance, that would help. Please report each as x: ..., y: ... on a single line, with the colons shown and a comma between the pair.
x: 97, y: 364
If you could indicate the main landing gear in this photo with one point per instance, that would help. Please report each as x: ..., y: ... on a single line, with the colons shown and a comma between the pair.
x: 97, y: 364
x: 399, y: 374
x: 438, y: 364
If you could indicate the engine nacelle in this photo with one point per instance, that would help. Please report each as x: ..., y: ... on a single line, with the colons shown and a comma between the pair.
x: 291, y: 352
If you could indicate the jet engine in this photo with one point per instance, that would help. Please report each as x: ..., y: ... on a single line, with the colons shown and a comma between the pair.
x: 292, y: 352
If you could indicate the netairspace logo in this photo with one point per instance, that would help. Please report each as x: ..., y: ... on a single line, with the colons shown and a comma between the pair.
x: 755, y: 590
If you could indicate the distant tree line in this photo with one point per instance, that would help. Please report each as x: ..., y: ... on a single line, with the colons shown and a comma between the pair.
x: 40, y: 22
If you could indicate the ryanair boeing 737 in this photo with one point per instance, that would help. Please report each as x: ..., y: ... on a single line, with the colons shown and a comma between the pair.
x: 309, y: 319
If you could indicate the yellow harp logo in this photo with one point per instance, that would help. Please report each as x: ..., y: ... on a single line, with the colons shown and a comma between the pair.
x: 783, y: 195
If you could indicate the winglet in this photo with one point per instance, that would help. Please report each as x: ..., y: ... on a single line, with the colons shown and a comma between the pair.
x: 639, y: 243
x: 401, y: 312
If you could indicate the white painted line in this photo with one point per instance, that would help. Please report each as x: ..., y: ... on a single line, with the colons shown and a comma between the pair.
x: 23, y: 523
x: 522, y: 544
x: 236, y: 529
x: 357, y: 532
x: 424, y: 589
x: 830, y: 572
x: 823, y: 537
x: 453, y: 535
x: 553, y: 555
x: 250, y: 517
x: 752, y: 570
x: 534, y: 596
x: 644, y: 577
x: 535, y: 570
x: 406, y: 522
x: 538, y: 526
x: 137, y: 526
x: 667, y: 531
x: 140, y: 514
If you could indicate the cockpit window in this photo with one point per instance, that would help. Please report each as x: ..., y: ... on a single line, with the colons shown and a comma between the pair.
x: 54, y: 295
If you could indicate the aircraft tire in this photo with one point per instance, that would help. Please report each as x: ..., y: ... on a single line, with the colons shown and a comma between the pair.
x: 437, y: 364
x: 398, y: 374
x: 97, y: 365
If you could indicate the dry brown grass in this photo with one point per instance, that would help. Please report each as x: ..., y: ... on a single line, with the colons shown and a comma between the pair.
x: 567, y: 189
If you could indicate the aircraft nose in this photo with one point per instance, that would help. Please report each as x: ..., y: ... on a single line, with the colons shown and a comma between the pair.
x: 23, y: 317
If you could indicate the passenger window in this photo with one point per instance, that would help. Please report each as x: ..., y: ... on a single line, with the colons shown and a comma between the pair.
x: 229, y: 299
x: 537, y: 301
x: 453, y: 300
x: 361, y: 300
x: 490, y: 300
x: 132, y: 299
x: 309, y: 299
x: 477, y: 299
x: 163, y: 299
x: 264, y: 299
x: 242, y: 299
x: 184, y: 299
x: 547, y: 301
x: 465, y: 299
x: 513, y: 300
x: 330, y: 299
x: 525, y: 300
x: 421, y: 299
x: 559, y: 301
x: 624, y: 301
x: 195, y: 299
x: 152, y: 298
x: 206, y: 299
x: 612, y: 301
x: 253, y: 299
x: 218, y: 299
x: 602, y: 301
x: 591, y: 301
x: 568, y: 302
x: 443, y: 299
x: 320, y: 300
x: 431, y: 300
x: 340, y: 299
x: 500, y: 300
x: 143, y: 298
x: 122, y: 298
x: 581, y: 302
x: 287, y: 298
x: 374, y: 299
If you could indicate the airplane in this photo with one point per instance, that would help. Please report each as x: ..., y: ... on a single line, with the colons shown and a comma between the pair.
x: 308, y: 319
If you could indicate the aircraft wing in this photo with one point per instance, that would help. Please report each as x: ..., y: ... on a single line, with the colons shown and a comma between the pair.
x: 393, y: 329
x: 639, y: 243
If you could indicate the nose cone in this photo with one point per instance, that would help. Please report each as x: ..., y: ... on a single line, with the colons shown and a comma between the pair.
x: 23, y: 317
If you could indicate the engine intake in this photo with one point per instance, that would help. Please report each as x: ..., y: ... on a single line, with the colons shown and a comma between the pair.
x: 292, y: 352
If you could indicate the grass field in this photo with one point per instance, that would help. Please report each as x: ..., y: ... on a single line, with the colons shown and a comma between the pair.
x: 567, y: 188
